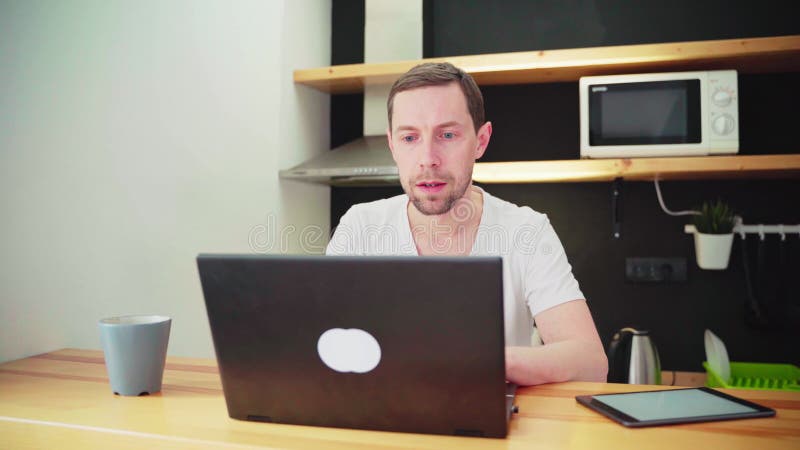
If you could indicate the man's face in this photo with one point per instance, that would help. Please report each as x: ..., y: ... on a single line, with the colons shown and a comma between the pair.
x: 434, y: 145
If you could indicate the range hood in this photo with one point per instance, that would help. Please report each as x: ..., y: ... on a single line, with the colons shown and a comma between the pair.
x: 392, y: 32
x: 366, y: 161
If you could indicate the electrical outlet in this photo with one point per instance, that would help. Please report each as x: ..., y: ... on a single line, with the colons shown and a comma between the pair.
x: 655, y: 270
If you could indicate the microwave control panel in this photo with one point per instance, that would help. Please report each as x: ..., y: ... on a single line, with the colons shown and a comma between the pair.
x: 723, y: 105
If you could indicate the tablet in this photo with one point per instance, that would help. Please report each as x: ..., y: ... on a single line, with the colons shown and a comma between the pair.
x: 644, y: 409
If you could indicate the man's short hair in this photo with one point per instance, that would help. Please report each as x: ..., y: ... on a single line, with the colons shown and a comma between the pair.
x: 439, y: 74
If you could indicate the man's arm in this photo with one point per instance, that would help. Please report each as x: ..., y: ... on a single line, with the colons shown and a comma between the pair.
x: 572, y: 350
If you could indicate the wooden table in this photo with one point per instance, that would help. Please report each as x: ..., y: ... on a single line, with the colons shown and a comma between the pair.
x: 62, y: 400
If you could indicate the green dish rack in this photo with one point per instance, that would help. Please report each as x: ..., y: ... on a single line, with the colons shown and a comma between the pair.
x: 779, y: 377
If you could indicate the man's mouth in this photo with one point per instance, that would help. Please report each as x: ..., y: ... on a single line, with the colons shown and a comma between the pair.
x: 431, y: 187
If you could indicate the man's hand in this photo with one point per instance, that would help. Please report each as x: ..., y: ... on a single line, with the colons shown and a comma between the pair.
x: 572, y: 350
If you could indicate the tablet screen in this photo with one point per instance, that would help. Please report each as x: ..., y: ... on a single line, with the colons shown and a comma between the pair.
x: 664, y: 405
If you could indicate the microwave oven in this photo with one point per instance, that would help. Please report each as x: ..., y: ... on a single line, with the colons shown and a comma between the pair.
x: 659, y: 114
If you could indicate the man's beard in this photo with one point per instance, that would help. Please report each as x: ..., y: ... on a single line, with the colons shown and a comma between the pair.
x: 447, y: 205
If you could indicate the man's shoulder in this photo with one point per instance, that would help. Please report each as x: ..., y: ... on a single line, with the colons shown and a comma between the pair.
x: 510, y: 230
x: 505, y: 212
x: 378, y: 212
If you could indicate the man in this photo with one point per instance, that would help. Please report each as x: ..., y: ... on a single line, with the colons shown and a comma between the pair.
x: 436, y: 133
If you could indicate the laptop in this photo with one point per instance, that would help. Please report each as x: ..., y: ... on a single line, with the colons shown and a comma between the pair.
x: 394, y: 343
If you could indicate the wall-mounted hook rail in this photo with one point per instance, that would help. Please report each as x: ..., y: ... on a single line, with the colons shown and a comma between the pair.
x: 759, y: 229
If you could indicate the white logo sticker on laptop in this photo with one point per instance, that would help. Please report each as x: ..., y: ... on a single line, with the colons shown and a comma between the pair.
x: 349, y: 350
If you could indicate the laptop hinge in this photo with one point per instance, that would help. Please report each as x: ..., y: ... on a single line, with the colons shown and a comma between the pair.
x: 473, y: 433
x: 259, y: 418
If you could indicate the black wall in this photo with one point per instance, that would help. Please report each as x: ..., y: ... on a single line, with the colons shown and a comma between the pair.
x: 535, y: 122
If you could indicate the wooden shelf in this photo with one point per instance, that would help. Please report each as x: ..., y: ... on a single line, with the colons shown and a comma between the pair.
x: 751, y: 55
x: 640, y: 169
x: 770, y: 54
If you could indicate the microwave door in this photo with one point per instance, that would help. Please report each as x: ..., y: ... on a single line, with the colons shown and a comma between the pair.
x: 645, y: 113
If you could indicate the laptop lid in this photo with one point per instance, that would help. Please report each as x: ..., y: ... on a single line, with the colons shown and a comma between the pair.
x: 296, y: 340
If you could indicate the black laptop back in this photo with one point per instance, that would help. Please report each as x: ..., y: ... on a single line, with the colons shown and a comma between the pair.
x: 437, y: 324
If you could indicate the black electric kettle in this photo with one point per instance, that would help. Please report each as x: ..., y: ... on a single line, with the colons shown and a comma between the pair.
x: 633, y: 358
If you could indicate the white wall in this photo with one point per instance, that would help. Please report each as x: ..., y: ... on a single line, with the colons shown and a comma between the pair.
x: 136, y: 134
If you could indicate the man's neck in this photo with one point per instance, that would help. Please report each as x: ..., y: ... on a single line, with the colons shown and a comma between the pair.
x: 451, y: 233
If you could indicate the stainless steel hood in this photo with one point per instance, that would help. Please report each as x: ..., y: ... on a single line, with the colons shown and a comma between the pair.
x: 392, y: 32
x: 366, y: 161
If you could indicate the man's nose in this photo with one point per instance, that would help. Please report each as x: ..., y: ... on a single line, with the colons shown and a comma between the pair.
x: 429, y: 156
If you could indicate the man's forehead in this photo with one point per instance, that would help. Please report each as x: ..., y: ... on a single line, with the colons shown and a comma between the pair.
x: 450, y: 91
x: 443, y: 103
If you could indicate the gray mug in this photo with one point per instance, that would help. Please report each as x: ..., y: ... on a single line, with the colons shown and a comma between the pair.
x: 135, y: 350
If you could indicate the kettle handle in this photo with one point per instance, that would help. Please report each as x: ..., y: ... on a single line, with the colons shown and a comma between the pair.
x: 617, y: 363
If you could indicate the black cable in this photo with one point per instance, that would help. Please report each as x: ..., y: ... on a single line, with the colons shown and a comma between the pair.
x: 788, y: 305
x: 761, y: 276
x: 753, y: 314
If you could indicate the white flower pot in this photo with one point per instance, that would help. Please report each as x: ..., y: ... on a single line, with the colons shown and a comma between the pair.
x: 713, y: 250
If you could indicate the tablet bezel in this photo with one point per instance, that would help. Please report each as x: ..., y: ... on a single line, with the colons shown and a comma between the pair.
x: 618, y: 416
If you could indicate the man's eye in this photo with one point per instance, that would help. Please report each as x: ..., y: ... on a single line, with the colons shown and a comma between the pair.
x: 448, y: 135
x: 408, y: 138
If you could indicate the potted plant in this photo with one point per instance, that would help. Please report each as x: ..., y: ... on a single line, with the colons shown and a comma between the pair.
x: 714, y: 236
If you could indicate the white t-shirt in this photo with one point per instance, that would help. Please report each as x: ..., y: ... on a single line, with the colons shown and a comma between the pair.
x: 536, y: 274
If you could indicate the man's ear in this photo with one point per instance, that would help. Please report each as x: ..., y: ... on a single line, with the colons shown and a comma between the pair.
x: 484, y: 135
